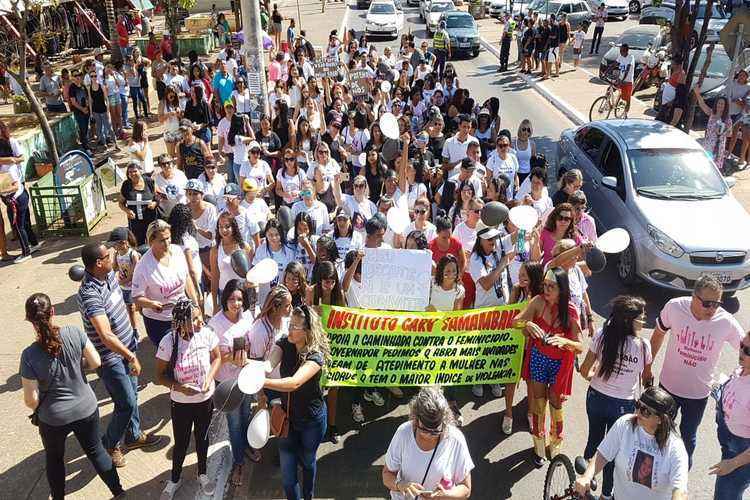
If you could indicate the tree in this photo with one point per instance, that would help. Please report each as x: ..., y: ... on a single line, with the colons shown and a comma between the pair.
x: 21, y: 12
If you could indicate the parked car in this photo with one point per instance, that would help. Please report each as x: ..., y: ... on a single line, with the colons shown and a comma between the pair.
x: 578, y: 11
x: 437, y: 7
x: 658, y: 183
x: 660, y: 16
x: 638, y: 39
x: 412, y: 3
x: 717, y: 19
x: 498, y: 8
x: 617, y: 8
x: 463, y: 32
x: 363, y: 4
x: 384, y: 19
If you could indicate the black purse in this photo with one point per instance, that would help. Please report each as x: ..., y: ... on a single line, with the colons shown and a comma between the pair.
x: 34, y: 417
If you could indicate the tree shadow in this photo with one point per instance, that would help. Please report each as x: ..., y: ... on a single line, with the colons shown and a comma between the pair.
x: 68, y: 306
x: 12, y: 384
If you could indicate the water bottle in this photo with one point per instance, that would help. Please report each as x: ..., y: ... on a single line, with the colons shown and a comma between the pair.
x: 716, y: 383
x: 521, y: 241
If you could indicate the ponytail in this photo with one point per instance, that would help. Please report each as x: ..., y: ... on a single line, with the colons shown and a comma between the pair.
x: 39, y: 314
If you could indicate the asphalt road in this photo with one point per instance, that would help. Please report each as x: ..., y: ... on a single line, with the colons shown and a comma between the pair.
x: 503, y: 464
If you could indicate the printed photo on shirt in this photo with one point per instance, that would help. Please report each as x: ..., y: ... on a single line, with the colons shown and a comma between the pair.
x: 643, y: 468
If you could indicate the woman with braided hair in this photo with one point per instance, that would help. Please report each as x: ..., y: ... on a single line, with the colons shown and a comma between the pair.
x: 56, y: 389
x: 187, y: 360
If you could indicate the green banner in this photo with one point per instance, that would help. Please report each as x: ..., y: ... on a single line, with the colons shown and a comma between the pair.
x: 385, y: 348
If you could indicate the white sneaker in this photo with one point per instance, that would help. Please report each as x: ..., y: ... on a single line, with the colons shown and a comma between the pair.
x: 477, y: 391
x: 497, y: 390
x: 36, y: 247
x: 374, y: 397
x: 507, y: 425
x: 207, y: 486
x: 397, y: 392
x: 742, y: 165
x: 357, y: 414
x: 169, y: 490
x: 21, y: 258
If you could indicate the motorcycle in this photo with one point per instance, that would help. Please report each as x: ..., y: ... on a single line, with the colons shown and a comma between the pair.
x: 655, y: 69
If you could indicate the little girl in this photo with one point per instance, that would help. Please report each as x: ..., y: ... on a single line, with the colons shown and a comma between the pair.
x: 578, y: 38
x: 125, y: 260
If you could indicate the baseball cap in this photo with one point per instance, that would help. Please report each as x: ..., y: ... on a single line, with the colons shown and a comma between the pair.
x: 250, y: 185
x: 195, y: 185
x: 118, y: 234
x: 422, y: 138
x: 342, y: 212
x: 164, y: 158
x: 484, y: 111
x: 185, y: 124
x: 232, y: 189
x: 488, y: 233
x: 253, y: 145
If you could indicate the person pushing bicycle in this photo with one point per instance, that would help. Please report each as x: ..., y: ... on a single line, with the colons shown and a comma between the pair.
x: 626, y: 63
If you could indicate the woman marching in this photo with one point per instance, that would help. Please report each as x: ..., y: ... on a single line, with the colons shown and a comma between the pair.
x: 550, y: 322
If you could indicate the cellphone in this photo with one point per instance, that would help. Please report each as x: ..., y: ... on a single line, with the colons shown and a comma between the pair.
x: 344, y: 176
x: 238, y: 344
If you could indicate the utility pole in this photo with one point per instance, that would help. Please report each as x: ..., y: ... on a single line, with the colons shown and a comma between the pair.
x: 255, y: 58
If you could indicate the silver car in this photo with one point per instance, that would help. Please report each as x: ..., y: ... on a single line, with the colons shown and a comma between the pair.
x: 659, y: 184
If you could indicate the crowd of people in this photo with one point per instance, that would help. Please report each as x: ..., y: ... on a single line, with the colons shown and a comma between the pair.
x: 309, y: 185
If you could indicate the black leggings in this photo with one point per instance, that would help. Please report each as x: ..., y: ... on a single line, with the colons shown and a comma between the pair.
x: 187, y: 417
x: 86, y: 432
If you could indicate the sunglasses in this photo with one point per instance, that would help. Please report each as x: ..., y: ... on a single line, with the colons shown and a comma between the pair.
x: 290, y: 159
x: 564, y: 218
x: 526, y: 129
x: 709, y: 304
x: 503, y: 145
x: 580, y: 208
x: 745, y: 349
x: 255, y: 152
x: 430, y: 430
x: 323, y: 152
x: 420, y: 211
x: 644, y: 410
x: 476, y: 210
x: 359, y: 185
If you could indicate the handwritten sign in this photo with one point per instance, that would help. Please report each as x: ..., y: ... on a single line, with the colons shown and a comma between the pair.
x: 328, y: 66
x: 359, y: 82
x: 396, y: 279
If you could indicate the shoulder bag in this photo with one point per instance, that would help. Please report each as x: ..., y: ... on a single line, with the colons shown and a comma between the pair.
x: 280, y: 418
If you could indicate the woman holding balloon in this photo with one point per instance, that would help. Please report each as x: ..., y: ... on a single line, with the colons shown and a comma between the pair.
x: 228, y: 241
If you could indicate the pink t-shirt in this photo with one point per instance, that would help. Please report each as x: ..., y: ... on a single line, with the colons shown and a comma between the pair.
x: 694, y: 347
x: 547, y: 242
x: 623, y: 381
x: 736, y: 402
x: 226, y: 332
x: 160, y: 283
x: 193, y: 363
x: 274, y: 71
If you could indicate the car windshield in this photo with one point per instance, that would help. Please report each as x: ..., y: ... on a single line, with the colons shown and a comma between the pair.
x: 538, y: 5
x: 675, y: 174
x: 720, y: 65
x: 460, y: 22
x: 382, y: 8
x: 716, y: 13
x: 636, y: 40
x: 441, y: 7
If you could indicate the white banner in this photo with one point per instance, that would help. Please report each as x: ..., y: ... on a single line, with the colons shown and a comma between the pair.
x: 396, y: 279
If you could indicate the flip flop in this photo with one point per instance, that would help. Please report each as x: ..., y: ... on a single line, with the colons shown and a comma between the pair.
x: 236, y: 479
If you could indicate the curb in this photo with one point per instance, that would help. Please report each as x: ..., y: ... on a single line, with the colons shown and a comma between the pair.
x: 569, y: 111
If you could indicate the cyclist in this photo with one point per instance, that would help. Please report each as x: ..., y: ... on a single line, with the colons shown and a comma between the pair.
x: 649, y: 457
x: 626, y: 63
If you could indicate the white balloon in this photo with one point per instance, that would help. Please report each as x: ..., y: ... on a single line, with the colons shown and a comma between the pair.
x: 524, y: 217
x: 385, y: 86
x: 263, y: 272
x: 259, y: 429
x: 389, y: 126
x: 398, y: 220
x: 613, y: 241
x: 252, y: 377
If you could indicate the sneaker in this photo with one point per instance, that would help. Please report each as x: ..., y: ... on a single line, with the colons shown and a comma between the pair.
x: 477, y: 391
x: 742, y: 165
x: 374, y: 397
x: 207, y: 486
x: 507, y: 425
x: 357, y: 414
x: 169, y: 490
x: 22, y: 258
x: 118, y: 459
x: 397, y: 392
x: 497, y: 390
x: 35, y: 248
x: 145, y: 441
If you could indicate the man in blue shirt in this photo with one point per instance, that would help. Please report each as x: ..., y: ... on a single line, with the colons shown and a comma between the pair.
x: 223, y: 84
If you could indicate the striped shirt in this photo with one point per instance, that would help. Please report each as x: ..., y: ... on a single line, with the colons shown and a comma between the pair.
x: 95, y: 298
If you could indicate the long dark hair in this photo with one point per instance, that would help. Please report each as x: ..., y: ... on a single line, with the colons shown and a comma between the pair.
x: 236, y: 235
x: 440, y: 269
x: 236, y: 127
x: 275, y: 224
x: 281, y: 120
x: 138, y: 129
x: 664, y: 404
x: 535, y: 272
x: 725, y: 113
x: 302, y: 217
x: 39, y: 314
x: 616, y: 330
x: 181, y: 221
x: 232, y: 286
x: 563, y: 297
x: 551, y: 223
x: 327, y: 270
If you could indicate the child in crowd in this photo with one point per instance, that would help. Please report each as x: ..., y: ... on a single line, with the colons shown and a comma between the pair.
x: 125, y: 259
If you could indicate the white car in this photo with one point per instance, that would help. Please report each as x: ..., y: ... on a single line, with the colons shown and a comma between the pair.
x: 384, y: 19
x: 437, y: 7
x: 617, y: 8
x: 498, y: 8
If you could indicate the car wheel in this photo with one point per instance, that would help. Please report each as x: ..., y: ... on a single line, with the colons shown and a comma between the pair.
x: 626, y: 267
x: 634, y: 7
x: 475, y: 52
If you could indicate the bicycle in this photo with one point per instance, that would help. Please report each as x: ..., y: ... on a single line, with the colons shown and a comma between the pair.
x: 560, y: 480
x: 603, y: 106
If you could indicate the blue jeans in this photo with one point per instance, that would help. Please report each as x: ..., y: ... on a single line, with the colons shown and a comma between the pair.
x: 136, y: 93
x: 692, y: 414
x: 20, y: 220
x: 124, y: 107
x: 237, y: 422
x: 83, y: 129
x: 104, y: 132
x: 732, y: 486
x: 299, y: 449
x: 123, y: 388
x: 156, y: 329
x: 235, y: 173
x: 603, y: 411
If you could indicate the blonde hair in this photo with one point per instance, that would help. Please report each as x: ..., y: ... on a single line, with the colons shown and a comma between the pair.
x: 570, y: 177
x: 563, y: 245
x: 316, y: 338
x: 157, y: 226
x: 526, y: 123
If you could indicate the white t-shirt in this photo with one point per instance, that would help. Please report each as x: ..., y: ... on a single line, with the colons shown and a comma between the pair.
x: 430, y: 231
x: 257, y: 211
x: 282, y: 258
x: 318, y: 212
x: 466, y: 235
x: 354, y: 292
x: 148, y: 162
x: 346, y: 244
x: 454, y: 150
x: 161, y: 283
x: 327, y: 171
x: 207, y: 222
x: 634, y: 451
x: 475, y: 181
x: 248, y: 227
x: 260, y: 172
x: 193, y: 363
x: 578, y: 38
x: 222, y: 130
x: 414, y: 192
x: 496, y: 295
x: 291, y: 185
x: 215, y: 186
x: 262, y: 337
x: 226, y: 332
x: 444, y: 300
x: 173, y: 188
x: 626, y: 62
x: 736, y: 403
x: 694, y: 347
x: 508, y: 166
x: 623, y: 381
x: 451, y: 463
x: 360, y: 212
x: 190, y: 243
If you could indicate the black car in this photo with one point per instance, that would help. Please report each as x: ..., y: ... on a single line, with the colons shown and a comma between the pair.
x: 363, y: 4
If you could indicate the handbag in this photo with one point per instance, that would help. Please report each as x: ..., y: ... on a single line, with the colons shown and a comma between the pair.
x: 280, y: 418
x: 34, y: 417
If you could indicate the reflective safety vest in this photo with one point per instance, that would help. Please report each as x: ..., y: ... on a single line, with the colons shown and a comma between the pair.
x: 438, y: 41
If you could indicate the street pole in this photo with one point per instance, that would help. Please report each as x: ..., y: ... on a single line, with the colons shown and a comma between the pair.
x: 737, y: 48
x: 254, y: 58
x: 299, y: 20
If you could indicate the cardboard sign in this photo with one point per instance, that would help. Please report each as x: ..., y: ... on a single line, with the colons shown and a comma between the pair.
x: 359, y: 82
x: 328, y: 66
x: 396, y: 279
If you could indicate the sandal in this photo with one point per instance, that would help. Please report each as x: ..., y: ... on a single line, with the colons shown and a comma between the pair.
x: 236, y: 479
x: 254, y: 455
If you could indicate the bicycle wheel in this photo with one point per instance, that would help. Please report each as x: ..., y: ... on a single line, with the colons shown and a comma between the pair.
x: 600, y: 109
x: 559, y: 483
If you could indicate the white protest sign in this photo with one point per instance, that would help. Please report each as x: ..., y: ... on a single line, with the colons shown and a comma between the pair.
x: 396, y: 279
